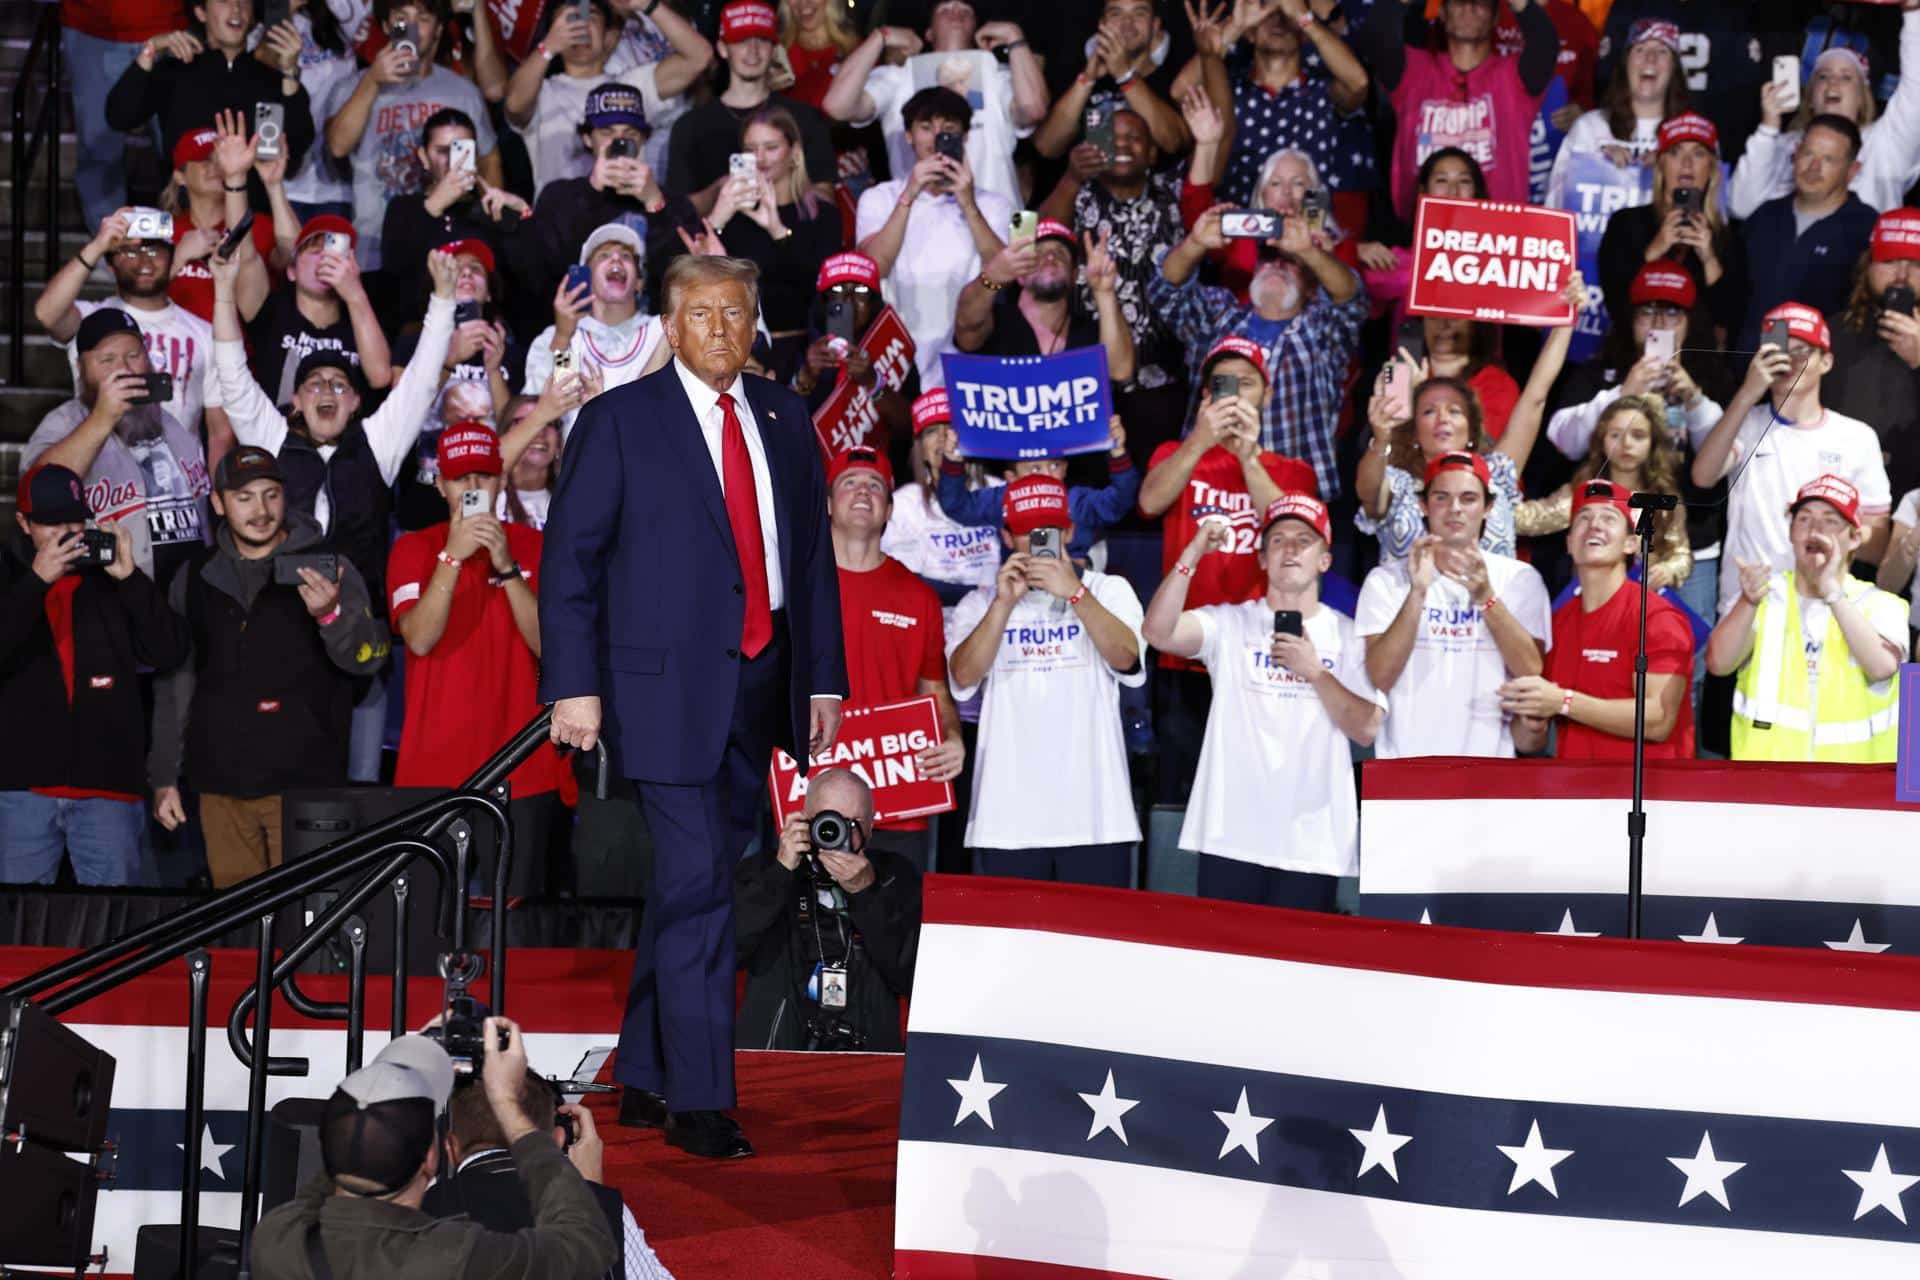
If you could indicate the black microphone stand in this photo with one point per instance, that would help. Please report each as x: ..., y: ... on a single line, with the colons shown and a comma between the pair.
x: 1646, y: 504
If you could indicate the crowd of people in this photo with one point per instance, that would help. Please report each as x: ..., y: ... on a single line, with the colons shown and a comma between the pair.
x: 293, y: 511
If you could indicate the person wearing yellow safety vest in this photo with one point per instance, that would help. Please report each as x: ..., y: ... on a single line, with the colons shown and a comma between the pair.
x: 1818, y: 651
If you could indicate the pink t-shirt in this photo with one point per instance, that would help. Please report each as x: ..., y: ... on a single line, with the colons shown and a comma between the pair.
x: 1487, y: 113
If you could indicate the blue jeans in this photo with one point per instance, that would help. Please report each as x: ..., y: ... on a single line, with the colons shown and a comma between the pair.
x: 101, y: 836
x: 369, y: 732
x: 100, y: 162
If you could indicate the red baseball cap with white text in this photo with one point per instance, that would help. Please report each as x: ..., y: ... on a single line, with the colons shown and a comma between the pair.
x: 1804, y: 323
x: 1235, y: 345
x: 748, y: 20
x: 467, y: 448
x: 1833, y: 491
x: 1303, y: 507
x: 1036, y: 502
x: 1896, y: 236
x: 930, y: 410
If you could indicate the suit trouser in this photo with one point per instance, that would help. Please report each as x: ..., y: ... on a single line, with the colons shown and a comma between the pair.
x: 677, y: 1036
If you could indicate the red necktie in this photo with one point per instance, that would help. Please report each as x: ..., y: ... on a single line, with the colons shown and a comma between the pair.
x: 743, y: 514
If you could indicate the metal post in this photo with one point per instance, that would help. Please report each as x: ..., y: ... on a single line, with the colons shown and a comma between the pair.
x: 199, y: 964
x: 356, y: 991
x: 257, y: 1092
x: 502, y: 866
x: 399, y: 955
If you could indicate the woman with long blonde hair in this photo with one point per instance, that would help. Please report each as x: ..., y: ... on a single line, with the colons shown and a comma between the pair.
x: 816, y: 35
x: 1839, y: 86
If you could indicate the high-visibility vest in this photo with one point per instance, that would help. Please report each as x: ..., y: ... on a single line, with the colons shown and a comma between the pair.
x: 1853, y: 721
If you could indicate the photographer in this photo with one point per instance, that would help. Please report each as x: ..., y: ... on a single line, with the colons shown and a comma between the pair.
x: 72, y: 642
x: 363, y: 1215
x: 826, y: 934
x: 266, y: 705
x: 485, y: 1186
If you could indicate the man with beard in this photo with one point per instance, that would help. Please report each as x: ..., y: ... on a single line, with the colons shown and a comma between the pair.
x: 178, y: 342
x: 1126, y: 70
x: 339, y: 466
x: 600, y: 327
x: 1304, y: 312
x: 72, y: 642
x: 1450, y: 625
x: 327, y: 308
x: 268, y: 696
x: 1021, y: 304
x: 133, y: 456
x: 1876, y: 347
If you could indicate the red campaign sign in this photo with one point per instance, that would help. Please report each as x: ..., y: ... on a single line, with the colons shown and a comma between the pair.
x: 1502, y: 263
x: 879, y: 744
x: 848, y: 419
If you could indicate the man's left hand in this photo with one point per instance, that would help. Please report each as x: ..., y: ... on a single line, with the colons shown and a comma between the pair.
x: 1533, y: 696
x: 317, y: 593
x: 1466, y: 566
x: 942, y: 763
x: 823, y: 726
x: 851, y: 871
x: 1297, y: 654
x: 588, y: 1152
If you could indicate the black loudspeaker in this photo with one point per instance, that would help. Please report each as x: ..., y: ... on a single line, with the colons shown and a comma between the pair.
x: 54, y: 1086
x: 293, y: 1149
x: 312, y: 820
x: 156, y: 1253
x: 49, y: 1198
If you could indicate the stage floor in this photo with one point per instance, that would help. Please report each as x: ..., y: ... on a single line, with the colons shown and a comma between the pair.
x: 814, y: 1203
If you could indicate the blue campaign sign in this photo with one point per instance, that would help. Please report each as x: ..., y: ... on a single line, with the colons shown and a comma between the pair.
x: 1544, y: 142
x: 1596, y: 189
x: 1022, y: 407
x: 1906, y: 777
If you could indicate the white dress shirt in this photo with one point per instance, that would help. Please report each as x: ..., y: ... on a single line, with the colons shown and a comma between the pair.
x: 706, y: 409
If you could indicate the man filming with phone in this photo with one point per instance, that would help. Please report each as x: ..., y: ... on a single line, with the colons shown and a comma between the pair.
x: 1876, y: 346
x: 1273, y: 816
x: 826, y: 926
x: 282, y: 626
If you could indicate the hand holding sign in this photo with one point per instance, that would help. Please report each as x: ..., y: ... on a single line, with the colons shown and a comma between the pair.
x: 1030, y: 406
x: 1492, y: 262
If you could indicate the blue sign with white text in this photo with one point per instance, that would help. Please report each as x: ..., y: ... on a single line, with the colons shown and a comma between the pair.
x: 1022, y: 407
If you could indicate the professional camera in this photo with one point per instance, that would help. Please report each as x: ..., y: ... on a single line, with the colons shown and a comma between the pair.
x: 462, y: 1030
x: 829, y: 830
x: 100, y: 549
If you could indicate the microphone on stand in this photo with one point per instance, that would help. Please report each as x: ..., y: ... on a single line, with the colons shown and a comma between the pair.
x: 1646, y: 503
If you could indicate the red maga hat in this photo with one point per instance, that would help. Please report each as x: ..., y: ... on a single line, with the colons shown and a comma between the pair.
x: 1036, y: 502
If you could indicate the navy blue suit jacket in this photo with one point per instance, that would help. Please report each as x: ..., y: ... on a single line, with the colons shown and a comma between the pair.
x: 640, y: 592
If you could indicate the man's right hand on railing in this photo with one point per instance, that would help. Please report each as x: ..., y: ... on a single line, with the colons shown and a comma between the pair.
x: 576, y: 722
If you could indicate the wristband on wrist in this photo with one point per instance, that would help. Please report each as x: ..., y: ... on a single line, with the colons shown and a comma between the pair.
x: 1307, y: 19
x: 1074, y: 600
x: 230, y: 187
x: 1182, y: 568
x: 1486, y: 606
x: 80, y: 256
x: 1566, y: 703
x: 448, y: 560
x: 327, y: 619
x: 1122, y: 81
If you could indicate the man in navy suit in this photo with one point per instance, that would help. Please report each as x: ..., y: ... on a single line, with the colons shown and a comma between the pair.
x: 690, y: 614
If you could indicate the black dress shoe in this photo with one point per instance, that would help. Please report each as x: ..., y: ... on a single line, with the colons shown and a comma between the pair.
x: 711, y: 1134
x: 642, y: 1109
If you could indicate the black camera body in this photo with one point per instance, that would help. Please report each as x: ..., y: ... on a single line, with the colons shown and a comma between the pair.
x: 462, y: 1031
x: 98, y: 549
x: 830, y: 829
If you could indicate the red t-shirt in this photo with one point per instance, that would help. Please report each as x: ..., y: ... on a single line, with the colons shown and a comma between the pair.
x: 891, y: 626
x: 1498, y: 394
x: 479, y: 686
x: 1231, y: 574
x: 1593, y: 654
x: 192, y: 285
x: 812, y: 72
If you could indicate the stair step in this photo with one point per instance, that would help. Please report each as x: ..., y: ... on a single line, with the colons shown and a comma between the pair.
x: 21, y: 409
x: 47, y: 365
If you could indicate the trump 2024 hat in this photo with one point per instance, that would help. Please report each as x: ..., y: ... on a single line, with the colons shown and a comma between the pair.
x: 1036, y: 502
x: 1833, y: 491
x: 468, y: 448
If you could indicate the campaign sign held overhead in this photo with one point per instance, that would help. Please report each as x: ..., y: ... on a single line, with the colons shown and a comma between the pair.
x: 1503, y: 263
x: 1015, y: 407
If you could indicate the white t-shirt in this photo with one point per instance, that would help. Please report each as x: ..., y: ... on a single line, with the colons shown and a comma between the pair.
x: 321, y: 72
x: 553, y: 131
x: 988, y: 88
x: 618, y: 351
x: 931, y: 543
x: 1051, y: 765
x: 642, y: 44
x: 937, y: 258
x: 1788, y: 457
x: 178, y: 342
x: 1447, y: 700
x: 1909, y: 515
x: 1275, y: 780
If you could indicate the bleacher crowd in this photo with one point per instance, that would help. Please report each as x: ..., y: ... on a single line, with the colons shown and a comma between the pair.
x: 401, y: 244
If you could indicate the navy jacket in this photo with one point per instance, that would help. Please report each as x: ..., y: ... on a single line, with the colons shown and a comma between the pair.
x: 1815, y: 269
x: 640, y: 592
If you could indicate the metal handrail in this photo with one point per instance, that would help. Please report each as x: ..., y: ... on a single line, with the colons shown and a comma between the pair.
x: 26, y: 147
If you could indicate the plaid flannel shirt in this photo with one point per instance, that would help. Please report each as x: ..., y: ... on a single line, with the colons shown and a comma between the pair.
x: 1307, y: 364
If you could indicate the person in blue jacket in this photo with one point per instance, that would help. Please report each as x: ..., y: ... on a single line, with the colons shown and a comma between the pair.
x: 1093, y: 510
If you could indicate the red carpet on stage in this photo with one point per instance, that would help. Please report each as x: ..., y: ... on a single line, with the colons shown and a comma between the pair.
x: 815, y: 1203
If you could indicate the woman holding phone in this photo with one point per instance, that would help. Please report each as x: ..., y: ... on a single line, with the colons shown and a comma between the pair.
x: 1685, y: 223
x: 769, y: 214
x: 1446, y: 416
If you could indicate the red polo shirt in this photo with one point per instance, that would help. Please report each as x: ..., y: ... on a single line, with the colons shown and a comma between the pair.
x: 1593, y: 654
x: 479, y: 686
x: 894, y: 636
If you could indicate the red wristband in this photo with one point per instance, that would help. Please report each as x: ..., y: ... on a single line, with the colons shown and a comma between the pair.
x: 1073, y: 601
